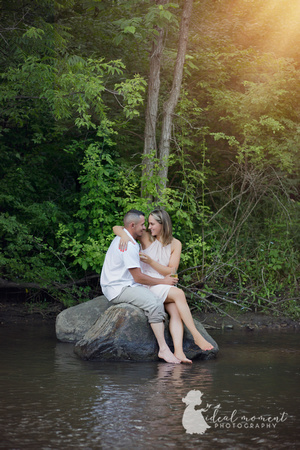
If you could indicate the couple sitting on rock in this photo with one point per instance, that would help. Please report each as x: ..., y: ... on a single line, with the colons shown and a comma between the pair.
x: 144, y: 279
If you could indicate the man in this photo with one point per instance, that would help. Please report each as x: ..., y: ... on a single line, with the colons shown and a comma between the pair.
x: 121, y: 280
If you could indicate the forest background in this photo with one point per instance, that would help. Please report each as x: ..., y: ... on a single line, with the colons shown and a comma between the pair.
x: 75, y: 97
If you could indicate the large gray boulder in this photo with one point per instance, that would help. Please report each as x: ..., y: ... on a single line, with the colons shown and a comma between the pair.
x: 122, y: 333
x: 72, y: 323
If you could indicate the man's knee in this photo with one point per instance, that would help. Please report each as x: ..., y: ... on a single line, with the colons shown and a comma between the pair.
x: 144, y: 299
x: 156, y: 313
x: 154, y: 308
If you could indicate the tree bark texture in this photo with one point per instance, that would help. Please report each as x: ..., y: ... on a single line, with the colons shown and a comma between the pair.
x: 152, y: 101
x: 170, y: 104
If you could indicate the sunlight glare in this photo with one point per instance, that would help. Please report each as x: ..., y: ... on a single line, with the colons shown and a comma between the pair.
x: 284, y: 17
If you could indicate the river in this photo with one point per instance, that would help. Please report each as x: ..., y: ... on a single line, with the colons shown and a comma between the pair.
x: 248, y: 397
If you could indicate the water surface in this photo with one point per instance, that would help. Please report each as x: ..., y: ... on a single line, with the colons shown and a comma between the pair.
x: 50, y: 399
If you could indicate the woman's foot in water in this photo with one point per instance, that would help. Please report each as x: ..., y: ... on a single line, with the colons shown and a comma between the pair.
x: 203, y: 343
x: 181, y: 356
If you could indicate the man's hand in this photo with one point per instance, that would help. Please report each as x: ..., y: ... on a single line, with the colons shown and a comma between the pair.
x: 142, y: 278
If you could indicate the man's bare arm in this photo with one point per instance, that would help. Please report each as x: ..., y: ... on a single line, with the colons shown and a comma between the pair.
x: 142, y: 278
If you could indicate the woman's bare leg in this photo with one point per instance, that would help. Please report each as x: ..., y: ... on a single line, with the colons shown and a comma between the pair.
x: 177, y: 296
x: 176, y: 330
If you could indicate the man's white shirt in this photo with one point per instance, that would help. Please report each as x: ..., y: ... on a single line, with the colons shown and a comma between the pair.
x: 115, y: 273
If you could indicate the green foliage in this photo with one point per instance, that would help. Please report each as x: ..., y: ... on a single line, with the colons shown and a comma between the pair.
x: 87, y: 238
x: 252, y: 263
x: 24, y: 256
x: 51, y: 106
x: 71, y: 98
x: 80, y: 86
x: 152, y: 16
x: 132, y: 91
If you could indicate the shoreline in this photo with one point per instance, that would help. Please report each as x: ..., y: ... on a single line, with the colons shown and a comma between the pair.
x: 24, y: 313
x: 248, y: 321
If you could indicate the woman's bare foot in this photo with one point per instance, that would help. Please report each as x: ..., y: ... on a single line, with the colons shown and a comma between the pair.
x: 183, y: 358
x: 203, y: 343
x: 168, y: 356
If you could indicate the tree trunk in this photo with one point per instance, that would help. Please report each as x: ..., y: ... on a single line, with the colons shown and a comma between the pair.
x: 152, y: 108
x: 170, y: 104
x: 6, y: 284
x: 152, y: 103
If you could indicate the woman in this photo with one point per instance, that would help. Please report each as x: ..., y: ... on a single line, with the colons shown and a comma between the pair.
x: 160, y: 256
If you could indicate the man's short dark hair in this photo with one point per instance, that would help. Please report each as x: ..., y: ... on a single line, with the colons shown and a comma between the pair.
x: 132, y: 216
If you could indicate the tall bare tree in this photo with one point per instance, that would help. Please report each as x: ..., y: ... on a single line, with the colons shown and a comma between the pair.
x: 150, y: 144
x: 170, y: 105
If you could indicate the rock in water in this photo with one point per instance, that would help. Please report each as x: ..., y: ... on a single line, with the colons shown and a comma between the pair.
x: 122, y: 333
x: 72, y: 323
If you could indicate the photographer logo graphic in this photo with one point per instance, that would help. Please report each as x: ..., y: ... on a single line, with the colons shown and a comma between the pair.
x: 194, y: 422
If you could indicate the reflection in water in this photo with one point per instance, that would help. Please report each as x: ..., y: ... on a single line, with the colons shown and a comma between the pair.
x: 146, y: 405
x: 50, y: 399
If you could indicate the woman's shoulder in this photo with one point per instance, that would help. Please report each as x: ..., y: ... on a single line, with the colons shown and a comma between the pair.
x: 146, y: 240
x: 176, y: 244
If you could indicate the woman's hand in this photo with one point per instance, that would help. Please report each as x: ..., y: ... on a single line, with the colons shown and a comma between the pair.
x: 123, y: 244
x: 145, y: 258
x: 170, y: 280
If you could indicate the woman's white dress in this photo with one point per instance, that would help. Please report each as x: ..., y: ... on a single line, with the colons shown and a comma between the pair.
x: 162, y: 255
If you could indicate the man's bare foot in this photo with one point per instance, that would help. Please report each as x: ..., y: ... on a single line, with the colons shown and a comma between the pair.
x: 181, y: 356
x: 168, y: 356
x: 203, y: 343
